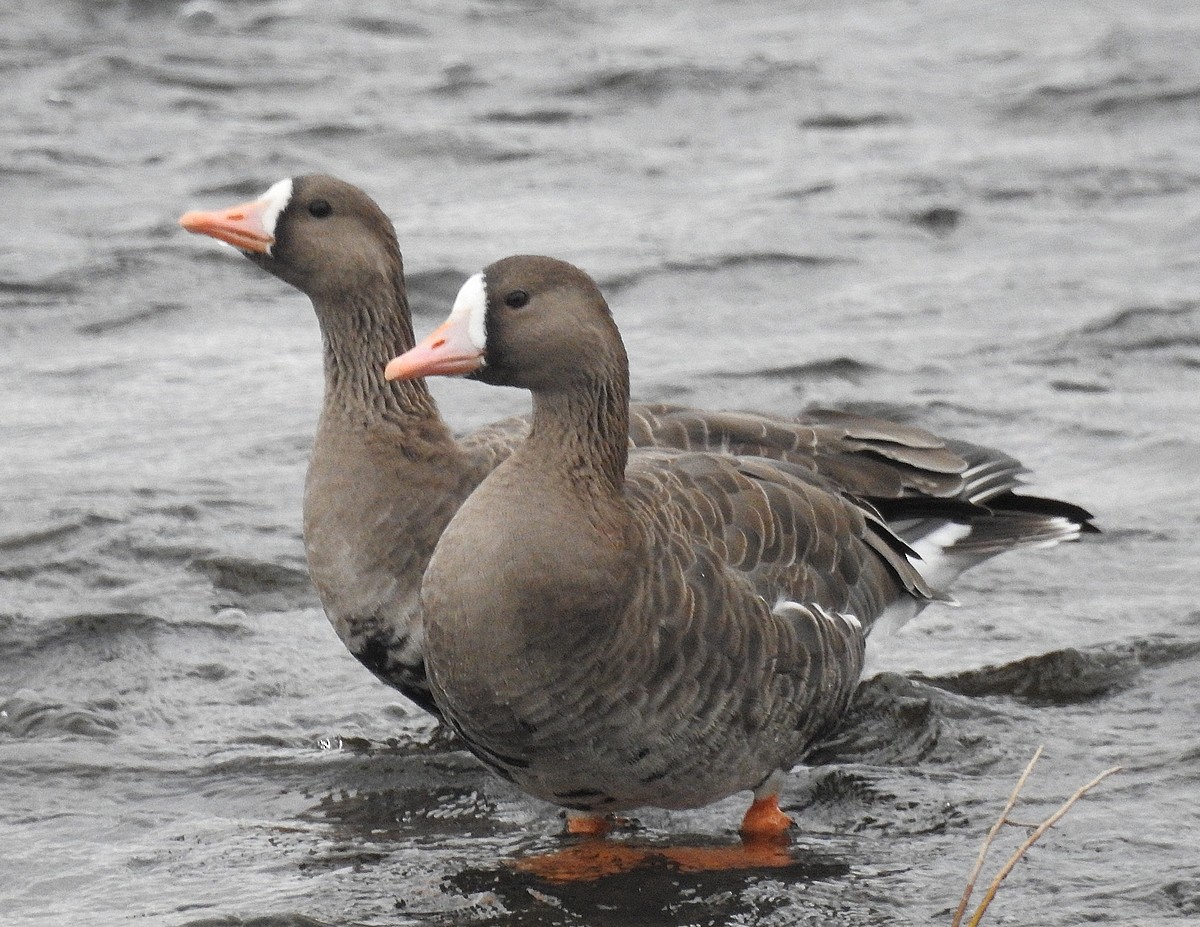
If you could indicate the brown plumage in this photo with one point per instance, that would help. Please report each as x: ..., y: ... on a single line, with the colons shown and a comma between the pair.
x: 387, y: 474
x: 612, y: 628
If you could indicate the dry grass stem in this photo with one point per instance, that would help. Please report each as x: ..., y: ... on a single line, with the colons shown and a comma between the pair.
x: 990, y: 838
x: 1001, y: 821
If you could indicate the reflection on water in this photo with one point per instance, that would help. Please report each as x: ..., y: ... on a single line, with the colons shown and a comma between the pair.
x: 611, y: 882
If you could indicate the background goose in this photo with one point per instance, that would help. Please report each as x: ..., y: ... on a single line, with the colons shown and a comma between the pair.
x: 386, y: 473
x: 611, y: 629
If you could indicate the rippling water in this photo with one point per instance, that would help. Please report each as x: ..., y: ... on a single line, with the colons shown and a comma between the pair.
x: 982, y: 218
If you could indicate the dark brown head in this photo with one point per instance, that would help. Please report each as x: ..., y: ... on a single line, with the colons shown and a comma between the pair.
x: 527, y: 321
x: 322, y: 235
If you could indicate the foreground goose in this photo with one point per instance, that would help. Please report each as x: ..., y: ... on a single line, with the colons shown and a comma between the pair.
x: 613, y: 629
x: 386, y: 474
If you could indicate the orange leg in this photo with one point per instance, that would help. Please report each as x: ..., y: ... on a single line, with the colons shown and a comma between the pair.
x: 582, y: 824
x: 765, y: 820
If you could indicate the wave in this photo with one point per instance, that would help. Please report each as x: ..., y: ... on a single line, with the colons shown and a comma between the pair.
x: 842, y: 121
x: 25, y: 717
x: 938, y: 220
x: 649, y: 83
x: 328, y: 132
x: 539, y: 117
x: 50, y: 290
x: 898, y: 720
x: 1165, y: 334
x: 153, y: 312
x: 257, y: 585
x: 1147, y: 327
x: 1069, y: 676
x: 716, y: 263
x: 382, y: 25
x: 97, y: 631
x: 653, y: 82
x: 1121, y: 96
x: 456, y: 145
x: 52, y: 534
x: 834, y: 368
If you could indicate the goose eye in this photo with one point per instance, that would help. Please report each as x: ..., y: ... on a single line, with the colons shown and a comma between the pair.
x: 516, y: 299
x: 319, y: 208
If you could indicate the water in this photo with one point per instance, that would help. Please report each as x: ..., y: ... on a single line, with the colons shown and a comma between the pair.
x: 982, y: 218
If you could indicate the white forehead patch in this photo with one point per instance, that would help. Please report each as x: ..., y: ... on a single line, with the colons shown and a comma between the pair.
x: 471, y: 302
x: 276, y: 200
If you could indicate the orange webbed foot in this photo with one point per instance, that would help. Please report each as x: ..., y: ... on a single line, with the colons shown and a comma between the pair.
x: 765, y: 821
x: 580, y: 824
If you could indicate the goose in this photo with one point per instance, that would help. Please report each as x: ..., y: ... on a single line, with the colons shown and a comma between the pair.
x: 611, y: 628
x: 386, y: 473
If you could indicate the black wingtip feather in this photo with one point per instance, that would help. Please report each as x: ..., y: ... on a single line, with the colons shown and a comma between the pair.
x: 1011, y: 502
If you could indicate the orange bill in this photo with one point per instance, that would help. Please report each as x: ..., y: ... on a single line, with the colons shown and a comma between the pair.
x: 241, y: 226
x: 447, y: 351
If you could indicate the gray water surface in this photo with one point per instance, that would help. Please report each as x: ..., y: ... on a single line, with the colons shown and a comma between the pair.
x: 980, y: 218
